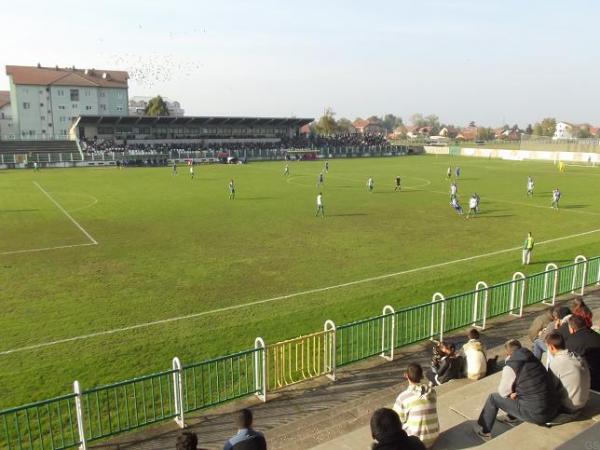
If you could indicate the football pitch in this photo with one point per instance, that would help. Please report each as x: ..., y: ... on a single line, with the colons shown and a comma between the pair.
x: 107, y: 274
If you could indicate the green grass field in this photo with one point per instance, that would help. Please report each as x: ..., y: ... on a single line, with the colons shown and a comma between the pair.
x: 169, y: 246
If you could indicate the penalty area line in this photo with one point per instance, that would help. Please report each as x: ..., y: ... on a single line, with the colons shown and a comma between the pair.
x: 64, y: 211
x: 283, y: 297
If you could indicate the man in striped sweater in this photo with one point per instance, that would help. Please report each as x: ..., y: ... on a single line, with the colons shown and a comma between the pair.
x: 417, y: 407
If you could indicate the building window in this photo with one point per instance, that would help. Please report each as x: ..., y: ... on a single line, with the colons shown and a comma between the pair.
x: 102, y: 94
x: 42, y: 117
x: 119, y: 108
x: 61, y: 92
x: 43, y: 131
x: 87, y: 92
x: 41, y: 105
x: 61, y: 107
x: 102, y: 107
x: 74, y: 105
x: 88, y: 108
x: 26, y: 105
x: 74, y: 95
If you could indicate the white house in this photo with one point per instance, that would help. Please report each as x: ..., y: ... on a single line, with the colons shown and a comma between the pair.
x: 6, y: 125
x: 45, y: 100
x: 564, y: 130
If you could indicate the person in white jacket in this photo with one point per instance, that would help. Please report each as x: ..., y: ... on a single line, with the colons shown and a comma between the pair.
x: 474, y: 351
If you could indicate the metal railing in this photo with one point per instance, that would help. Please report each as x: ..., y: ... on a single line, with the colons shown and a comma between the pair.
x: 89, y: 415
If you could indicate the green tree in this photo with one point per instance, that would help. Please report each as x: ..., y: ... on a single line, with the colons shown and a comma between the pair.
x: 485, y: 134
x: 156, y: 107
x: 472, y: 124
x: 326, y: 124
x: 546, y: 127
x: 345, y: 125
x: 391, y: 122
x: 529, y: 129
x: 583, y: 132
x: 418, y: 120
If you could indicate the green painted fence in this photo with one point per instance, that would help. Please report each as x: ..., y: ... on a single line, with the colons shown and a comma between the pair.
x: 90, y: 415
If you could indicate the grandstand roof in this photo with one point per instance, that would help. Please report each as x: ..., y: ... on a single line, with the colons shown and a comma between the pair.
x: 193, y: 120
x: 56, y: 76
x: 4, y: 98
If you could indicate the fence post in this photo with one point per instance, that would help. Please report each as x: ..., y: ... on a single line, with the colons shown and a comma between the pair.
x: 79, y: 412
x: 434, y: 301
x: 551, y: 267
x: 518, y: 276
x: 260, y: 369
x: 330, y: 348
x: 578, y: 260
x: 387, y: 309
x: 178, y: 392
x: 481, y: 285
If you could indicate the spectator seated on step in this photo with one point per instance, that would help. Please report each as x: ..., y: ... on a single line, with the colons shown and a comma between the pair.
x: 187, y: 441
x: 246, y: 438
x: 579, y: 308
x: 448, y: 367
x: 539, y: 324
x: 585, y: 343
x: 558, y: 314
x: 475, y: 357
x: 387, y: 431
x: 570, y: 375
x: 526, y: 392
x: 417, y: 407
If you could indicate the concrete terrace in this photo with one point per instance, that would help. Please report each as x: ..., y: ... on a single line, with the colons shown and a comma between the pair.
x: 324, y: 415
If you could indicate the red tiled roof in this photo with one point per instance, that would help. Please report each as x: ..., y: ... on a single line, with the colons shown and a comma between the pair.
x: 360, y: 123
x: 4, y: 98
x: 49, y: 76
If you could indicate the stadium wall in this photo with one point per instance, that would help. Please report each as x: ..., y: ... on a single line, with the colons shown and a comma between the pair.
x: 514, y: 155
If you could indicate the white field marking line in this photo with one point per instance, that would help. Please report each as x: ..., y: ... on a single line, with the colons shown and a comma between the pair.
x: 44, y: 249
x: 283, y: 297
x: 64, y: 211
x: 89, y: 205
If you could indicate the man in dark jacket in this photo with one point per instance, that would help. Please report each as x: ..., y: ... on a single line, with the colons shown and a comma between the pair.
x: 533, y: 398
x: 386, y: 429
x: 585, y: 343
x: 451, y: 366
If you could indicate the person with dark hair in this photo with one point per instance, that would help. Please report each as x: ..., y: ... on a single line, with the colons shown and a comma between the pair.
x: 451, y: 366
x: 579, y: 308
x: 387, y: 431
x: 476, y: 360
x: 585, y: 343
x: 570, y: 375
x: 531, y: 399
x: 417, y: 407
x: 187, y: 441
x: 246, y: 438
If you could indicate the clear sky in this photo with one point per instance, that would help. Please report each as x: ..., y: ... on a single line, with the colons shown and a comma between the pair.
x: 483, y: 60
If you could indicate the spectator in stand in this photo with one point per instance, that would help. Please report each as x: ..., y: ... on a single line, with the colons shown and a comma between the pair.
x: 570, y: 375
x: 529, y: 397
x: 579, y: 308
x: 387, y: 431
x: 585, y: 343
x: 539, y: 345
x: 246, y: 438
x: 474, y: 353
x: 187, y: 441
x: 417, y: 407
x: 450, y: 365
x: 562, y: 322
x: 539, y: 324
